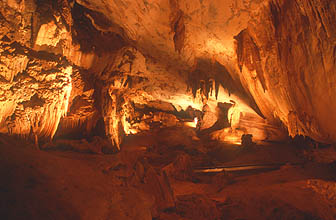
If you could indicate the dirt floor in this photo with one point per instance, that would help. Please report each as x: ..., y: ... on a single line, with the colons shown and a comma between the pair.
x: 153, y: 178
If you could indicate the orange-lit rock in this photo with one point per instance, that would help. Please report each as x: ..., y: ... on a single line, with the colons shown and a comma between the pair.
x: 35, y: 99
x: 287, y: 57
x: 95, y: 61
x: 181, y: 89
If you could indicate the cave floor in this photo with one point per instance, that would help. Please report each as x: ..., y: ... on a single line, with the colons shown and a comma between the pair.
x: 58, y: 184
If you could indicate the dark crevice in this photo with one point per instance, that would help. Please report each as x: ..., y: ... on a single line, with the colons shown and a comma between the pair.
x: 88, y: 37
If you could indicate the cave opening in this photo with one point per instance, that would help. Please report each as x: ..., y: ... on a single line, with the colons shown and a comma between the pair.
x: 169, y: 109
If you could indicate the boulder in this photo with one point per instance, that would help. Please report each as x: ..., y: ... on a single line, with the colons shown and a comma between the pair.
x: 197, y: 207
x: 181, y: 168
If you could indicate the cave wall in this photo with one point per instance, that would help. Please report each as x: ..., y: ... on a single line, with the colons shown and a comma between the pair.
x: 35, y: 84
x: 287, y: 61
x: 60, y: 70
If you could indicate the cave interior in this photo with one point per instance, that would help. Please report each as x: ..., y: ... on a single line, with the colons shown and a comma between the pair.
x: 168, y: 109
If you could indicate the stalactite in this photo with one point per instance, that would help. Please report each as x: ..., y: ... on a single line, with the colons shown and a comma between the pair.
x: 248, y: 55
x: 177, y: 25
x: 41, y: 116
x: 9, y: 69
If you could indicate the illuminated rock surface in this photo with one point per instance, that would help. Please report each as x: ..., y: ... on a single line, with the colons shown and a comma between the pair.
x: 80, y: 63
x: 87, y: 76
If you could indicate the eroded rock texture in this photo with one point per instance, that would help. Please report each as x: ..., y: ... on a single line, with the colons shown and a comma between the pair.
x: 35, y: 84
x: 287, y: 58
x: 116, y: 68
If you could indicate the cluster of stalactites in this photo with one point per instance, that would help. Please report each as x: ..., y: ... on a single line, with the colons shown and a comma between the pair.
x: 206, y: 88
x: 208, y: 75
x: 43, y: 120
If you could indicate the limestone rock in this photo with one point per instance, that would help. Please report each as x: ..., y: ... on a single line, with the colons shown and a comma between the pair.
x: 181, y: 168
x: 37, y: 98
x: 196, y: 206
x: 291, y: 76
x: 274, y: 60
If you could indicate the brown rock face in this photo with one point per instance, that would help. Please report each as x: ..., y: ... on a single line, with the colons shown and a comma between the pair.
x: 203, y: 207
x: 288, y: 64
x: 36, y: 96
x: 84, y: 67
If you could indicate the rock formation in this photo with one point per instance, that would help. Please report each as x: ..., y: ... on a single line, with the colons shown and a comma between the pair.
x: 88, y: 67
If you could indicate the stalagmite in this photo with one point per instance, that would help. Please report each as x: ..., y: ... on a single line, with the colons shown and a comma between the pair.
x: 111, y: 112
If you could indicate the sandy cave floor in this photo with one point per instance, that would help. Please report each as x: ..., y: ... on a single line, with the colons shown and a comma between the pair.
x: 58, y: 184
